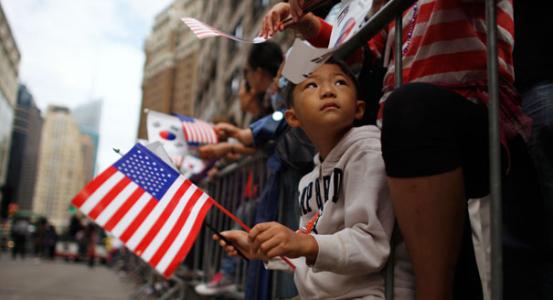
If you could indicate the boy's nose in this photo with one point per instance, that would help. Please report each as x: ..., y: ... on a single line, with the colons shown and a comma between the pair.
x: 327, y: 90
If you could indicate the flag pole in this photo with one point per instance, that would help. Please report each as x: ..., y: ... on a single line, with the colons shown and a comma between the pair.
x: 230, y: 215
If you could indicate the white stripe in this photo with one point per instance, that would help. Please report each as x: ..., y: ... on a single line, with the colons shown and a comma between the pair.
x: 101, y: 192
x: 202, y: 133
x: 169, y: 224
x: 127, y: 219
x: 116, y: 204
x: 195, y: 133
x: 191, y: 132
x: 154, y: 214
x: 208, y: 131
x: 182, y: 236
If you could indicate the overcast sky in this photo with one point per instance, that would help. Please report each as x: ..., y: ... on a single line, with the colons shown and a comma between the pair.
x: 74, y: 51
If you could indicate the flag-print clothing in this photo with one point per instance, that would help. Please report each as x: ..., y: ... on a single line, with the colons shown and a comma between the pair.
x: 444, y: 43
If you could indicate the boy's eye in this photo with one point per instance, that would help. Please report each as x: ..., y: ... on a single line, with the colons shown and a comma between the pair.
x: 341, y: 82
x: 311, y: 85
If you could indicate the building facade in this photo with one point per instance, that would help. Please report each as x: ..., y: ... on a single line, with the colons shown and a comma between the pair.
x: 222, y: 61
x: 22, y: 167
x: 201, y: 78
x: 171, y: 63
x: 9, y: 73
x: 60, y: 166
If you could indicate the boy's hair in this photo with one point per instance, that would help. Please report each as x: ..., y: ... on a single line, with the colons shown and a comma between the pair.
x: 333, y: 61
x: 267, y: 56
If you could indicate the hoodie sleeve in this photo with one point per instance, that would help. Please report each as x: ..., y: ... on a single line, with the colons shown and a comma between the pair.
x: 363, y: 246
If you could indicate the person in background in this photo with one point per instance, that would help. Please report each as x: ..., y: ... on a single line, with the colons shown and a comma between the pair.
x: 534, y: 80
x: 19, y: 233
x: 261, y: 67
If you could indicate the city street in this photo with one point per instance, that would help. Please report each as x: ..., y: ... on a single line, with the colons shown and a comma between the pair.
x: 44, y: 280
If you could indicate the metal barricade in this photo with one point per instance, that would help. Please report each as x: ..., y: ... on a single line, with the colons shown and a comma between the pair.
x: 228, y: 188
x: 395, y: 8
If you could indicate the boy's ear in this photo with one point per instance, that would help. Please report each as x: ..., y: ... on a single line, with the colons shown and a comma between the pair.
x: 291, y: 118
x: 359, y: 109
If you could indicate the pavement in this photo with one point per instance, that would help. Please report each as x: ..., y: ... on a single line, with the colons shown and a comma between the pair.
x: 33, y: 278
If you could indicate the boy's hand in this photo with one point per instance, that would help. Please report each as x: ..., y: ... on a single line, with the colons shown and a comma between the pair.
x: 273, y: 239
x: 239, y: 239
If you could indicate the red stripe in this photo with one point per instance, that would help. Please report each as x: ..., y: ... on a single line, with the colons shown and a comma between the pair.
x: 138, y: 220
x: 125, y: 207
x: 439, y: 64
x: 147, y: 239
x: 183, y: 251
x: 176, y: 228
x: 92, y: 186
x: 108, y: 198
x: 185, y: 130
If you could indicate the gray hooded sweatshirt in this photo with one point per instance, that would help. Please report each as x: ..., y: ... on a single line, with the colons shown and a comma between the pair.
x: 348, y: 191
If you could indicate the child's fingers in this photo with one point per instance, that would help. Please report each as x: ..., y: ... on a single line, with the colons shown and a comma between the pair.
x: 268, y: 245
x: 258, y: 229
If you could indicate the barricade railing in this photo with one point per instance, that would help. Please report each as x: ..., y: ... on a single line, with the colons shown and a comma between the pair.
x: 394, y: 9
x: 236, y: 187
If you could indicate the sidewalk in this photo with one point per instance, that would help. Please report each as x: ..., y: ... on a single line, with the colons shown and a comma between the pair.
x: 48, y: 280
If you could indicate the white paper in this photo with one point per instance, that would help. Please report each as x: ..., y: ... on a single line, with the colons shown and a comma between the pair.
x: 349, y: 21
x: 303, y: 58
x: 191, y: 165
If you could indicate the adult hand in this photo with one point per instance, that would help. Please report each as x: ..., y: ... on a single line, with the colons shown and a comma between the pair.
x: 273, y: 21
x: 213, y: 151
x: 243, y: 135
x: 224, y: 130
x: 273, y: 239
x: 296, y: 9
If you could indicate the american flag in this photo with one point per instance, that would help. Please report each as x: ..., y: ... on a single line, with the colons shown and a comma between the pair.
x: 203, y: 31
x: 197, y: 132
x: 149, y: 206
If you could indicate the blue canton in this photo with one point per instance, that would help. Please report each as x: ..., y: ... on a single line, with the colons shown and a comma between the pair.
x: 147, y: 170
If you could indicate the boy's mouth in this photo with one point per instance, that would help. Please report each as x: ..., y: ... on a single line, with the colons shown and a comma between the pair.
x: 330, y: 105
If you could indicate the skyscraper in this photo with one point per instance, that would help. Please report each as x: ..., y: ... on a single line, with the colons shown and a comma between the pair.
x: 22, y: 168
x: 60, y: 166
x: 88, y: 118
x: 9, y: 70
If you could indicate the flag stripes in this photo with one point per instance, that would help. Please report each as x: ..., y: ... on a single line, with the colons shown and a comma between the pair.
x: 184, y: 239
x: 203, y: 31
x: 197, y: 132
x: 158, y: 227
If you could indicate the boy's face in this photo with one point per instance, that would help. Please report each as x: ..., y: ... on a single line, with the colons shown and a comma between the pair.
x: 326, y: 100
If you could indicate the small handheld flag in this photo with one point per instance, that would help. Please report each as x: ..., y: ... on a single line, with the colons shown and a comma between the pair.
x: 147, y: 205
x: 197, y: 132
x: 203, y: 31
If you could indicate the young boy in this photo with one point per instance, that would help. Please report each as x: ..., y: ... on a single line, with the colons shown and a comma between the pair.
x: 346, y: 214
